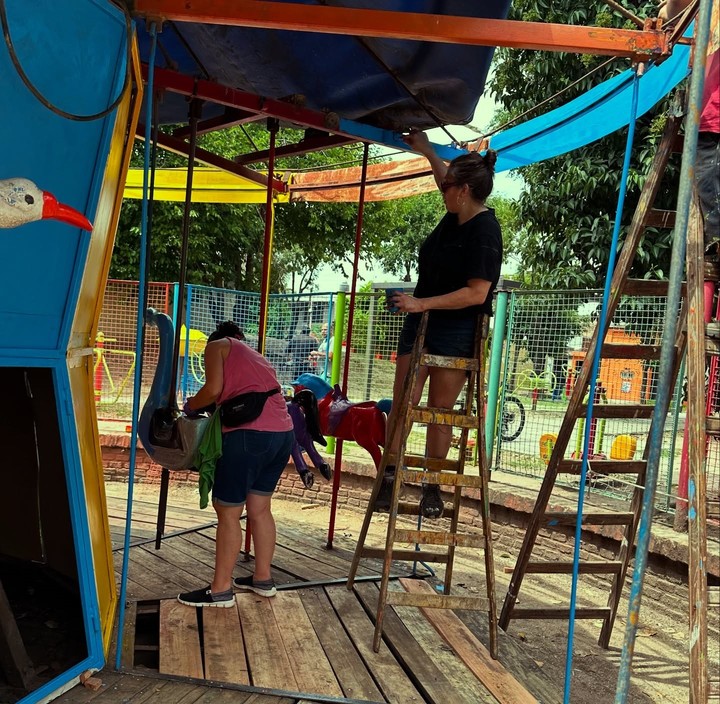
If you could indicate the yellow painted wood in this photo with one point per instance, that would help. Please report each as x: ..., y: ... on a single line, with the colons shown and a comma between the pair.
x: 210, y: 185
x: 84, y: 329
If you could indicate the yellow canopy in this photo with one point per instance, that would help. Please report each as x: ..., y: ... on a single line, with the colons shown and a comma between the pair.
x: 210, y: 185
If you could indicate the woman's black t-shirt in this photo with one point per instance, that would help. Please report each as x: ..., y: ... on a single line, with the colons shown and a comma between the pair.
x: 453, y: 254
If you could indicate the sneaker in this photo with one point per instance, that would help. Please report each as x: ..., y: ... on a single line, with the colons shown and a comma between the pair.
x: 248, y: 584
x: 205, y: 597
x: 431, y: 503
x: 382, y: 502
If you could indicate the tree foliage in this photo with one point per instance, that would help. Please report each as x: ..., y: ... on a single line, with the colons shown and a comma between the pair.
x: 226, y: 240
x: 568, y: 208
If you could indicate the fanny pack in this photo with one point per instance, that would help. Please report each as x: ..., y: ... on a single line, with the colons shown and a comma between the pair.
x: 245, y: 407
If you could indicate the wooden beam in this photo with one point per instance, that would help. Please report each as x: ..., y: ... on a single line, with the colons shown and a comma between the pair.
x: 697, y: 449
x: 414, y: 26
x: 499, y: 682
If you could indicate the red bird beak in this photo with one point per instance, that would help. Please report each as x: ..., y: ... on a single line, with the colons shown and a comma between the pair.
x: 52, y: 210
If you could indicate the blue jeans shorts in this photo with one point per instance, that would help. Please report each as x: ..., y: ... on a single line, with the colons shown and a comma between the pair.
x: 251, y: 463
x: 451, y: 338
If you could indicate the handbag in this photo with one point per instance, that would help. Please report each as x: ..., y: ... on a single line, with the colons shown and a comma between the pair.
x: 244, y: 408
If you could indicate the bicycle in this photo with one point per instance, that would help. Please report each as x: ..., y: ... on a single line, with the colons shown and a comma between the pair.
x: 511, y: 421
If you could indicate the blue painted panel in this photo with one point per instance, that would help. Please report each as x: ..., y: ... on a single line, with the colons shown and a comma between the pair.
x: 77, y: 61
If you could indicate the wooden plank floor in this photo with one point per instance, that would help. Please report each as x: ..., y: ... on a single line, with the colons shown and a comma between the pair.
x: 311, y: 639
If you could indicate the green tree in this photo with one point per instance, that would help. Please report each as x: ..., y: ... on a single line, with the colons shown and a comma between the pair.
x: 226, y: 241
x: 568, y: 206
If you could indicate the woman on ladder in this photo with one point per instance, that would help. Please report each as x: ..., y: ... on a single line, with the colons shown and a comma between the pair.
x: 458, y: 270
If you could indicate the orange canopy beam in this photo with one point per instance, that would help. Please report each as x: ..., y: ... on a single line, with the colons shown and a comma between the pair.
x: 636, y: 44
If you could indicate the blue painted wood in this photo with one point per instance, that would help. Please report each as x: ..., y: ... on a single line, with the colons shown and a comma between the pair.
x: 75, y: 55
x: 77, y: 60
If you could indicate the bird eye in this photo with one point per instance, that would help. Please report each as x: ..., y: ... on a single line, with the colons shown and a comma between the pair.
x: 29, y: 199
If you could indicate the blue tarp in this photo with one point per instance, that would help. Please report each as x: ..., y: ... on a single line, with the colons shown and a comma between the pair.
x: 350, y: 76
x: 593, y: 115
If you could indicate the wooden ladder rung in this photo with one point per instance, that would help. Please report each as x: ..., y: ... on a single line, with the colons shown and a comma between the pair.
x: 713, y: 596
x: 406, y: 555
x: 442, y: 478
x: 713, y: 508
x: 661, y: 218
x: 615, y: 410
x: 567, y: 567
x: 612, y: 350
x: 566, y: 518
x: 437, y: 601
x: 435, y: 360
x: 435, y: 537
x: 434, y: 464
x: 585, y: 612
x: 441, y: 416
x: 648, y: 287
x: 603, y: 466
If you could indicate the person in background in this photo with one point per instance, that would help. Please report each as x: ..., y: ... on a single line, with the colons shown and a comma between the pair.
x: 707, y: 159
x: 254, y: 456
x: 300, y: 350
x: 458, y: 269
x: 324, y: 351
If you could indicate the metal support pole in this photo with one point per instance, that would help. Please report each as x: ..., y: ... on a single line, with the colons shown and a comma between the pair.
x: 139, y: 327
x: 498, y: 337
x: 351, y: 317
x: 194, y: 117
x: 273, y: 126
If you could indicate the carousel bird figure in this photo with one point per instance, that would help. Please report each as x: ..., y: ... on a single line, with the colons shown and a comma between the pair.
x: 21, y: 201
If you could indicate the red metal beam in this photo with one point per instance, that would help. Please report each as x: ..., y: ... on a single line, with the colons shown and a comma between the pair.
x: 178, y: 146
x: 415, y: 26
x: 312, y: 144
x: 230, y: 118
x: 223, y: 95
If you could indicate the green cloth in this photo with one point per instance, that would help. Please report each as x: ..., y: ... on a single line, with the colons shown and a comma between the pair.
x: 208, y: 452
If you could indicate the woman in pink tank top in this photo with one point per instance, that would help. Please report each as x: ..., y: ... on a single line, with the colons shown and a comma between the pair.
x: 254, y: 456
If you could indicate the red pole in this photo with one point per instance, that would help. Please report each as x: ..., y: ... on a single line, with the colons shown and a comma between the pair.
x: 351, y: 316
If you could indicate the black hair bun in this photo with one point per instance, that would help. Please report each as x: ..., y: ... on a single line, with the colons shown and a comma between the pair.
x: 490, y: 159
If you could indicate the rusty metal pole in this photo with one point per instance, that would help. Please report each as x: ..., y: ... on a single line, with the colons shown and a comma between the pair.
x: 273, y: 126
x: 351, y: 317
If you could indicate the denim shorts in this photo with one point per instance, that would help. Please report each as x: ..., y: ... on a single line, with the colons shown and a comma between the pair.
x: 251, y: 463
x: 451, y: 338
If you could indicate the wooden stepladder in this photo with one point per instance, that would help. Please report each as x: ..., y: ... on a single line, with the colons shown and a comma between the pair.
x: 645, y: 216
x: 418, y: 469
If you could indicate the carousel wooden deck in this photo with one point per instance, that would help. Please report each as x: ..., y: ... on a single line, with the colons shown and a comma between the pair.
x: 312, y: 642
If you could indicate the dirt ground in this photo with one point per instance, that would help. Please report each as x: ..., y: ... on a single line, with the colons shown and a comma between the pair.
x: 660, y: 669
